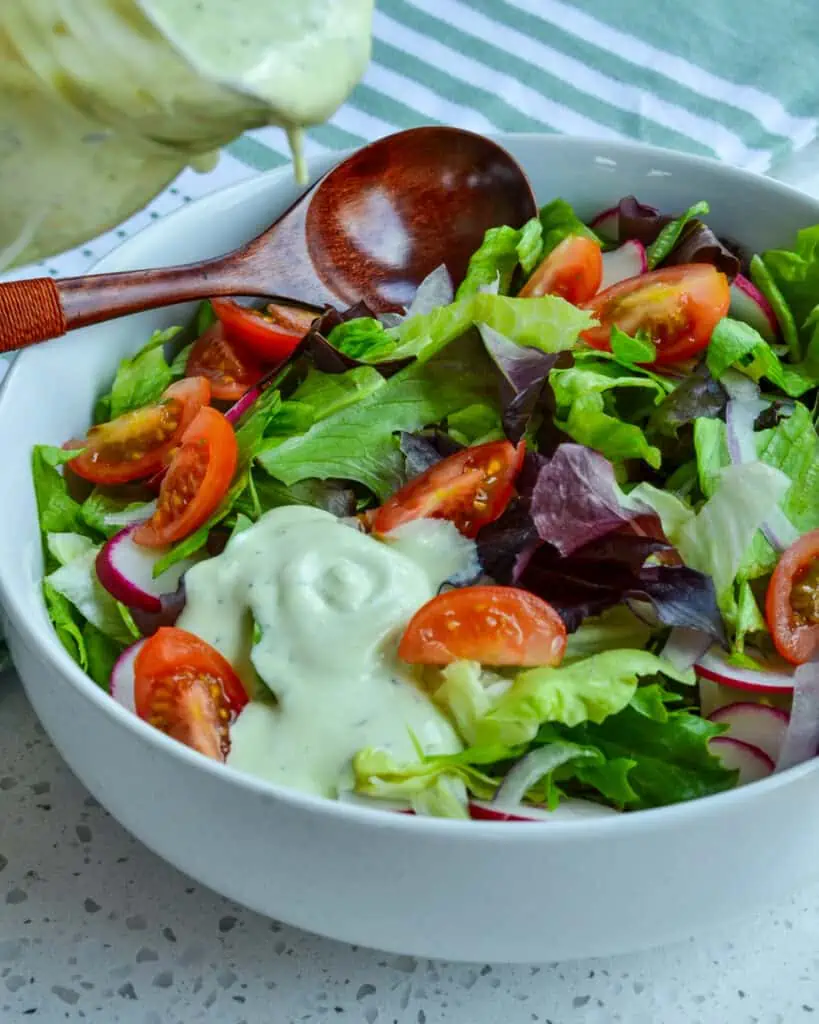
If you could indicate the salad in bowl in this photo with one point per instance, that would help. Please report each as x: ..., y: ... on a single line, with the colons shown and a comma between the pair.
x: 543, y: 543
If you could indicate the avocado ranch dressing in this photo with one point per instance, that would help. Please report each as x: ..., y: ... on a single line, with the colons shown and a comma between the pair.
x: 103, y: 102
x: 314, y: 609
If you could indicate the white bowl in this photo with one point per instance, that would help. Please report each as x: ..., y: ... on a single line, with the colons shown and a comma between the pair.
x: 458, y: 890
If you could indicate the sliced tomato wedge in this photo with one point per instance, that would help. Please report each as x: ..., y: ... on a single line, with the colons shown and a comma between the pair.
x: 678, y: 307
x: 261, y: 334
x: 198, y: 477
x: 792, y: 601
x: 471, y: 488
x: 492, y: 625
x: 573, y: 270
x: 230, y: 370
x: 139, y: 443
x: 187, y: 689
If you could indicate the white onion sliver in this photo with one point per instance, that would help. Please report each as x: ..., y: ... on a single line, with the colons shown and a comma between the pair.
x: 739, y: 387
x: 128, y: 516
x: 779, y: 530
x: 740, y: 416
x: 527, y: 771
x: 434, y: 291
x: 684, y: 647
x: 801, y: 741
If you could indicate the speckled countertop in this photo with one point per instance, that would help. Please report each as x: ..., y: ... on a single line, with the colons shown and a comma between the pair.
x: 94, y: 927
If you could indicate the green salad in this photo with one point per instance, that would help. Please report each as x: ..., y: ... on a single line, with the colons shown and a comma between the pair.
x: 544, y: 542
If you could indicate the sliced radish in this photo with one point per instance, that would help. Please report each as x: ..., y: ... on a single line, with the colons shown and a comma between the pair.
x: 757, y: 724
x: 567, y: 810
x: 122, y: 677
x: 126, y: 571
x: 607, y: 224
x: 750, y: 305
x: 619, y: 264
x: 714, y: 665
x: 752, y: 763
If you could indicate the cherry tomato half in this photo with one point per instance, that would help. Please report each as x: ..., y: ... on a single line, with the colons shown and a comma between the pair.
x: 259, y: 334
x: 678, y: 307
x: 573, y: 270
x: 792, y: 601
x: 471, y: 488
x: 198, y: 477
x: 139, y: 443
x: 230, y: 370
x: 185, y: 688
x: 492, y: 625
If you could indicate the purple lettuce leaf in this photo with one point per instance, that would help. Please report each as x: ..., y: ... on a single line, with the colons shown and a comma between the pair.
x: 524, y: 378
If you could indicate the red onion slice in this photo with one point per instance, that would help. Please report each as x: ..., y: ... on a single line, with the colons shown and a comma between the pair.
x: 526, y: 772
x: 801, y: 741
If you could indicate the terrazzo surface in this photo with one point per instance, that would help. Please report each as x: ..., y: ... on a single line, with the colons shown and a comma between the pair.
x: 94, y: 927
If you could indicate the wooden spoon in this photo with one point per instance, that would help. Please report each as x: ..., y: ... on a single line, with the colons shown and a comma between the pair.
x: 372, y: 228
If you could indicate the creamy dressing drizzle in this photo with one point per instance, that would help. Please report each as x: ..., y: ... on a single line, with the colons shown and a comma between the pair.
x: 328, y: 604
x: 103, y: 102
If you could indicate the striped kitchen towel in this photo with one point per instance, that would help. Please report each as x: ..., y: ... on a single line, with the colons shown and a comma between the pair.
x: 735, y: 79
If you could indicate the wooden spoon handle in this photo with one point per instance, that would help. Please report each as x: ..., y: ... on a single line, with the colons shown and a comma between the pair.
x: 36, y: 310
x: 30, y: 311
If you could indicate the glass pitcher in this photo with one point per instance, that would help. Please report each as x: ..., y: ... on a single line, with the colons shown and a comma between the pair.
x: 103, y: 102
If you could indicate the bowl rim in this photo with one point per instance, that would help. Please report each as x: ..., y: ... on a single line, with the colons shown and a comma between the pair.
x: 43, y: 640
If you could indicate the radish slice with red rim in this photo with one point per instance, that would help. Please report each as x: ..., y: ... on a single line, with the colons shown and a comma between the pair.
x: 122, y: 677
x: 714, y: 665
x: 759, y: 725
x: 567, y: 810
x: 620, y: 264
x: 607, y: 224
x: 749, y: 305
x: 752, y: 763
x: 125, y: 569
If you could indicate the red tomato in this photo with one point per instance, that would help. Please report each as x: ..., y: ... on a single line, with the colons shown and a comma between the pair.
x: 198, y: 478
x: 185, y: 688
x: 230, y: 370
x: 492, y: 625
x: 678, y: 307
x: 573, y: 270
x: 259, y: 334
x: 139, y: 443
x: 471, y: 488
x: 792, y: 602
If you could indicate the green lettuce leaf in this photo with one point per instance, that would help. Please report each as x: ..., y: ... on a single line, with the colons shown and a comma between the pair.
x: 796, y: 273
x: 530, y: 245
x: 666, y: 752
x: 558, y: 221
x: 711, y: 447
x: 668, y: 237
x: 329, y: 393
x: 548, y: 323
x: 67, y: 624
x: 495, y: 260
x: 716, y: 539
x: 630, y: 351
x: 99, y: 505
x: 102, y: 652
x: 362, y: 338
x: 735, y: 345
x: 360, y: 442
x: 582, y: 412
x: 77, y: 582
x: 765, y: 282
x: 57, y: 511
x: 475, y: 424
x: 140, y: 379
x: 616, y: 629
x: 589, y: 689
x: 65, y: 547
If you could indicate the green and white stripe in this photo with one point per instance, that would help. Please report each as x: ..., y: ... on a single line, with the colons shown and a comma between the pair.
x: 731, y: 78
